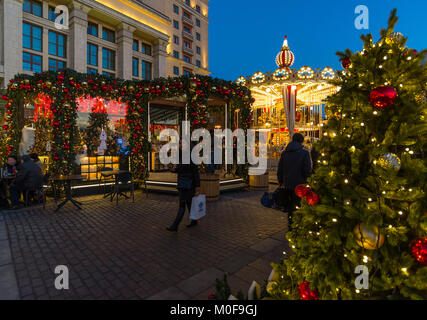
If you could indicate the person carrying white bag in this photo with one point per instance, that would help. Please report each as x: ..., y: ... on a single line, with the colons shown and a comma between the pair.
x: 188, y: 186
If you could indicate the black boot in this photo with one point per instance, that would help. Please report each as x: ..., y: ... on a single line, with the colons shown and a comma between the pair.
x: 192, y: 224
x: 175, y: 224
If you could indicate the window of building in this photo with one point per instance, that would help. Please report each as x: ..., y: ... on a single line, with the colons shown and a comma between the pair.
x: 198, y: 22
x: 187, y: 29
x: 186, y: 72
x: 186, y: 14
x: 135, y: 45
x: 198, y: 8
x: 57, y: 43
x: 187, y: 2
x: 92, y: 29
x: 198, y: 50
x: 198, y: 36
x: 135, y: 67
x: 176, y: 71
x: 32, y: 6
x: 198, y: 63
x: 175, y: 40
x: 31, y: 37
x: 176, y: 54
x: 176, y: 24
x: 51, y: 14
x: 92, y: 71
x: 187, y: 44
x: 108, y: 35
x: 108, y: 74
x: 56, y: 64
x: 92, y: 54
x: 108, y: 59
x: 187, y: 58
x: 146, y: 49
x: 146, y: 70
x: 31, y: 62
x: 176, y: 9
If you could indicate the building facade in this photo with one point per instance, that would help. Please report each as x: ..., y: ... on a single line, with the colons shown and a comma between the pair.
x: 128, y: 39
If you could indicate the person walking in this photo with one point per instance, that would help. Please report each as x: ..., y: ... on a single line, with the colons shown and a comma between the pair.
x: 294, y: 168
x: 29, y: 176
x: 188, y: 186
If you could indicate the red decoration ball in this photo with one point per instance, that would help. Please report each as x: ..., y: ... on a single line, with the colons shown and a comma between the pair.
x: 305, y: 293
x: 419, y: 250
x: 312, y: 198
x: 383, y: 96
x: 346, y: 63
x: 301, y: 191
x: 4, y: 97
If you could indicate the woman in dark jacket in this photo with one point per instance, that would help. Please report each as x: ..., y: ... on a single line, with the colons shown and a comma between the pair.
x: 188, y: 186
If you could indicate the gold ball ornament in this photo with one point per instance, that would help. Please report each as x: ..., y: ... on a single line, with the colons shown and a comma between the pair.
x: 131, y: 88
x: 394, y: 38
x: 84, y: 84
x: 368, y: 237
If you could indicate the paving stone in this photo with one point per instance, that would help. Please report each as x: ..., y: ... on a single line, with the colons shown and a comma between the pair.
x: 5, y: 254
x: 250, y: 274
x: 262, y: 265
x: 238, y: 261
x: 200, y: 281
x: 266, y: 245
x: 172, y: 293
x: 125, y: 252
x: 8, y: 285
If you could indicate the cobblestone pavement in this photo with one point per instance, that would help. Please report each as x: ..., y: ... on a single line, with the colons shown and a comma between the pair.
x: 125, y: 252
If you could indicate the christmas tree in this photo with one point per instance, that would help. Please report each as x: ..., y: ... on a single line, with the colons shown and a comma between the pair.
x: 361, y: 230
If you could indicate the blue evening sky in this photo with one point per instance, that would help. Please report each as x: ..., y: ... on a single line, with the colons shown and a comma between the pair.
x: 245, y: 36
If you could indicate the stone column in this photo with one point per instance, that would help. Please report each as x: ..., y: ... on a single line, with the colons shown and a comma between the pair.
x: 159, y: 59
x: 78, y: 37
x: 124, y: 51
x: 12, y: 43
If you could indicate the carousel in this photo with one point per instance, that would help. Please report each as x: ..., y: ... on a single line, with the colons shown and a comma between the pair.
x: 289, y: 100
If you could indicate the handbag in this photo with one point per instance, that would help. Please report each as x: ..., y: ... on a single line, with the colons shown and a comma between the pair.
x: 198, y: 207
x: 185, y: 183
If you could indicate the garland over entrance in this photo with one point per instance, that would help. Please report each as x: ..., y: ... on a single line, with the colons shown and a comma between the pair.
x: 66, y: 86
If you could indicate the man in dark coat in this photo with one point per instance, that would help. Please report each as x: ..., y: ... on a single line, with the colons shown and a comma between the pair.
x: 294, y: 169
x: 188, y: 186
x: 29, y: 176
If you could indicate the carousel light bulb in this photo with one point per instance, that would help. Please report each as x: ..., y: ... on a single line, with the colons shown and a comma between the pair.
x: 410, y: 190
x: 409, y: 58
x: 345, y: 255
x: 405, y: 270
x: 334, y: 220
x: 400, y: 212
x: 357, y: 291
x: 385, y: 57
x: 365, y: 259
x: 293, y: 247
x: 325, y: 134
x: 400, y: 85
x: 411, y: 152
x: 386, y: 83
x: 381, y: 66
x: 360, y: 84
x: 384, y: 192
x: 370, y: 199
x: 375, y: 112
x: 390, y: 226
x: 346, y: 181
x: 362, y: 124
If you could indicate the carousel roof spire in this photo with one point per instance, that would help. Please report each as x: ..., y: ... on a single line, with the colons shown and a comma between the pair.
x: 285, y: 57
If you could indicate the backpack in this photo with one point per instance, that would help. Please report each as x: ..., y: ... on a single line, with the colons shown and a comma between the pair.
x: 267, y: 200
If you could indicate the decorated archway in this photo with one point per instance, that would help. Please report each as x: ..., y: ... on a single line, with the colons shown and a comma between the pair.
x: 65, y: 87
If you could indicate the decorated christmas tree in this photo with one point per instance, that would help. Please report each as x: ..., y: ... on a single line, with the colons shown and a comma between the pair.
x: 361, y: 231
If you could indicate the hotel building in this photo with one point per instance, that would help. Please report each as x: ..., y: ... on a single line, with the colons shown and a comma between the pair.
x: 128, y: 39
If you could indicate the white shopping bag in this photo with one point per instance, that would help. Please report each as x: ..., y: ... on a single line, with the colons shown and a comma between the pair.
x: 198, y: 207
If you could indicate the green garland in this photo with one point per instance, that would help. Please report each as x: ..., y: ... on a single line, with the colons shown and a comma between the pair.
x: 67, y: 85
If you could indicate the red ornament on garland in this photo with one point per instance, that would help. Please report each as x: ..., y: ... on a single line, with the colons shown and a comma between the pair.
x: 312, y: 198
x: 346, y: 63
x: 419, y: 250
x: 305, y: 293
x: 382, y: 97
x: 301, y: 190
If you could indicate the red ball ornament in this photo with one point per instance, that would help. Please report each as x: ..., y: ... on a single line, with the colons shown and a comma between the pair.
x: 346, y: 63
x: 305, y: 293
x: 383, y: 96
x: 312, y: 198
x: 419, y: 250
x: 4, y: 97
x: 301, y: 190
